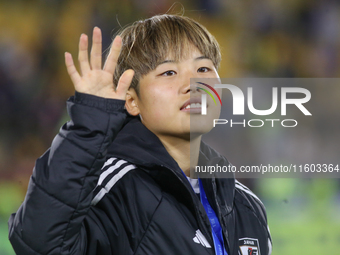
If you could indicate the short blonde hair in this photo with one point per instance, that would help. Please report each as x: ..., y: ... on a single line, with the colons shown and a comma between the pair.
x: 146, y: 43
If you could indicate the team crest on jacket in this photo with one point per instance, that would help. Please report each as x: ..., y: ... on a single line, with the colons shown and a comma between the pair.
x: 249, y: 246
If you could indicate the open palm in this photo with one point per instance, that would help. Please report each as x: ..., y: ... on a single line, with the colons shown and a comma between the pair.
x: 94, y: 79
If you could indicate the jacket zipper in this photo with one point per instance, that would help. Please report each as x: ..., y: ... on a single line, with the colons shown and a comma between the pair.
x: 222, y: 222
x: 206, y: 230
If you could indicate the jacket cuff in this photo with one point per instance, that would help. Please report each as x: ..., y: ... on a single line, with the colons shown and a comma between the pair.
x: 104, y: 104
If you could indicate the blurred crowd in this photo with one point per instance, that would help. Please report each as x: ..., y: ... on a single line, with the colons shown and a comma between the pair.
x: 262, y: 38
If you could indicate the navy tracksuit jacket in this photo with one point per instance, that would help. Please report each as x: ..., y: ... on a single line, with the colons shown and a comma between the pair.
x: 108, y: 186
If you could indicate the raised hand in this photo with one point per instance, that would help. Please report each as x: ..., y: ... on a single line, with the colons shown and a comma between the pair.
x: 93, y: 79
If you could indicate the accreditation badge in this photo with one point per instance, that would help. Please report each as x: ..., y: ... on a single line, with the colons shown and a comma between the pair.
x: 249, y: 246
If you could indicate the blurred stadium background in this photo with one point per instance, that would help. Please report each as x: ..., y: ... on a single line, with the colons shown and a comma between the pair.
x: 263, y: 38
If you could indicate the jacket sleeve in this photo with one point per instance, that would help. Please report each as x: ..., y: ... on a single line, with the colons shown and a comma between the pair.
x: 59, y: 194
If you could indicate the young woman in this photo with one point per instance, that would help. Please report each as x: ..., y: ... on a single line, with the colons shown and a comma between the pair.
x: 116, y: 178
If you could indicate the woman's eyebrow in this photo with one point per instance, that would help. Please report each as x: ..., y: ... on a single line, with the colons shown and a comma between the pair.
x: 173, y: 61
x: 166, y: 61
x: 202, y: 57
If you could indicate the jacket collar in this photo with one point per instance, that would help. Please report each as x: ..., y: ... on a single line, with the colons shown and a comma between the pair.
x: 221, y: 185
x: 138, y: 145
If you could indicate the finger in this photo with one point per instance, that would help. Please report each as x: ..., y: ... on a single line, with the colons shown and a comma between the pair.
x: 124, y: 83
x: 71, y: 69
x: 83, y: 54
x: 111, y: 61
x: 96, y: 51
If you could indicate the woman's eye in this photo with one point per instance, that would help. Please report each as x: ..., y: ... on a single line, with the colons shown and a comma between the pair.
x: 203, y: 70
x: 168, y: 73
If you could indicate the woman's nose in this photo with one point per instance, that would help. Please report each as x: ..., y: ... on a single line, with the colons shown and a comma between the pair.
x: 188, y: 85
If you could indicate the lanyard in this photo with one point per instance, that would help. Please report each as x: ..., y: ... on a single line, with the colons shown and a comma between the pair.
x: 214, y: 222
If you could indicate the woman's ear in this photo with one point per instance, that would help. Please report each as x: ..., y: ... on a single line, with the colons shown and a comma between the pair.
x: 131, y: 102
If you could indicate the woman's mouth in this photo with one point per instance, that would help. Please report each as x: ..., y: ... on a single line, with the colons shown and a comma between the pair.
x: 192, y: 105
